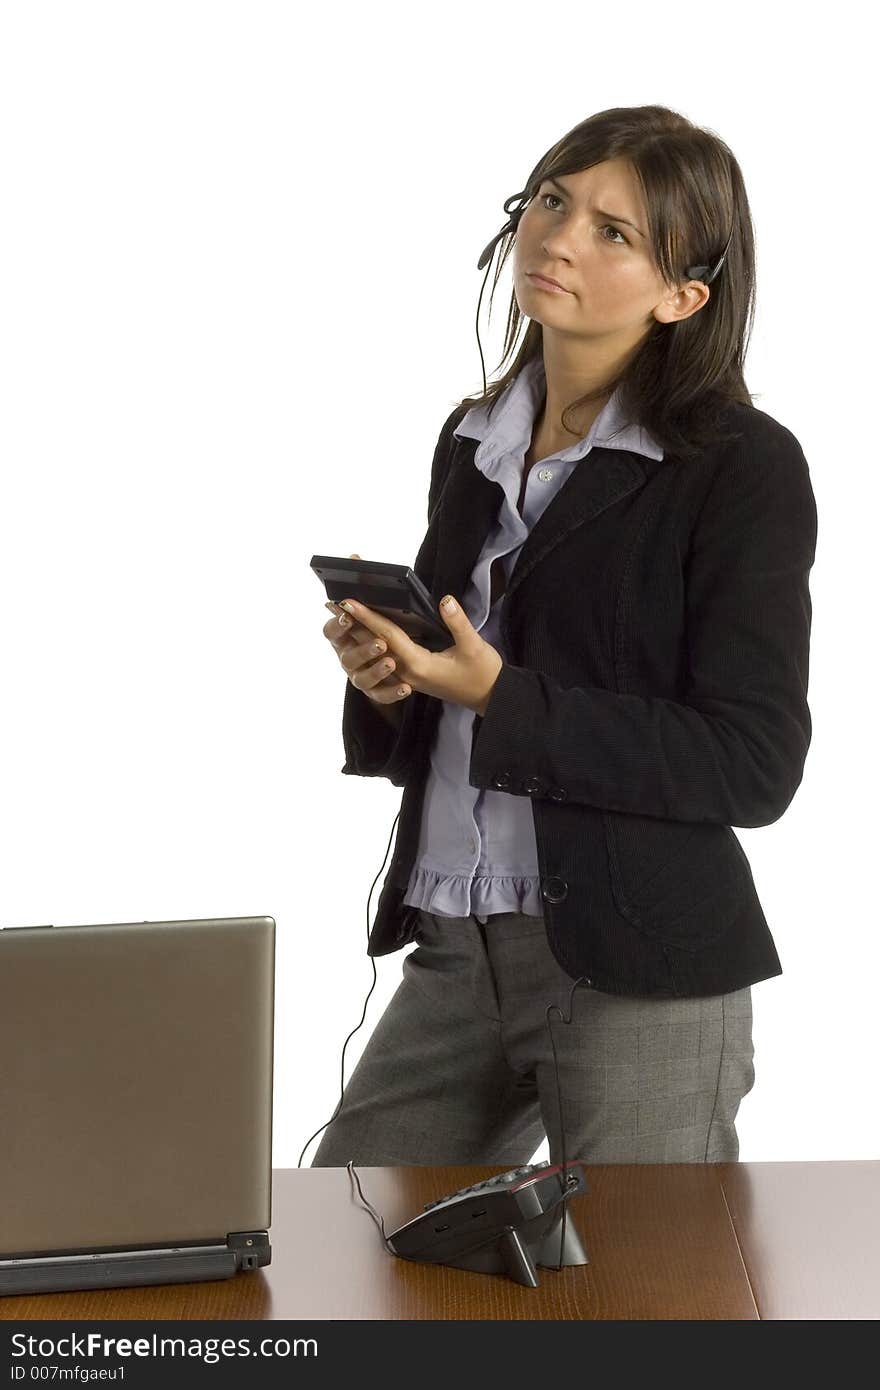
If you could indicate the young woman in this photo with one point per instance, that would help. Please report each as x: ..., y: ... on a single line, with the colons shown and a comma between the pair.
x: 628, y: 541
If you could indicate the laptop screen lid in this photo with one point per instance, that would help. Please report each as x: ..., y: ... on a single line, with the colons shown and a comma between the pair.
x: 135, y: 1102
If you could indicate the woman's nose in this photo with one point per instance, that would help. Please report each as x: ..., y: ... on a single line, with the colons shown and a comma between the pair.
x: 560, y: 244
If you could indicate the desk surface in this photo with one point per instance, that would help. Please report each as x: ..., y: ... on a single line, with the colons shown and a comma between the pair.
x: 665, y: 1241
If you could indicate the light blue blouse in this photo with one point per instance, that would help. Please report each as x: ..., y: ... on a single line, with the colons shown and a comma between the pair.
x: 477, y: 852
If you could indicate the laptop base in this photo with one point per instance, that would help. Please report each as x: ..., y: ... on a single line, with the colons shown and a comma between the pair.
x: 243, y: 1250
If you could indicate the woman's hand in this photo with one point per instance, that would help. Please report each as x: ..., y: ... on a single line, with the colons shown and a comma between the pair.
x: 464, y: 674
x: 365, y: 662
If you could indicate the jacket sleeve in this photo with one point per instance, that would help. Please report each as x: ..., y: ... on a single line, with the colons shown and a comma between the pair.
x: 373, y: 746
x: 732, y: 749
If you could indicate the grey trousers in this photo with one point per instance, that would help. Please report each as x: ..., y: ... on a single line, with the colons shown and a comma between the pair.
x: 460, y: 1068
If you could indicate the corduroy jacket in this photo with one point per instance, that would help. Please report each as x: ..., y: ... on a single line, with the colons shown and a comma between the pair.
x: 658, y: 622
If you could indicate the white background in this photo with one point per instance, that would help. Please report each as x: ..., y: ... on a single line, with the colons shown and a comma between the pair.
x: 239, y: 252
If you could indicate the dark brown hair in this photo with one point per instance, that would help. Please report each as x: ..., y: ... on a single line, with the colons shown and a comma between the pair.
x: 682, y: 380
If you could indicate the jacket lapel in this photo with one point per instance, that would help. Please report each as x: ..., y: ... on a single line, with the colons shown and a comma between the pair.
x: 470, y: 504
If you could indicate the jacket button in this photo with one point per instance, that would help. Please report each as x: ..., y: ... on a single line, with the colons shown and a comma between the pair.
x: 501, y: 779
x: 554, y: 889
x: 531, y: 784
x: 557, y: 793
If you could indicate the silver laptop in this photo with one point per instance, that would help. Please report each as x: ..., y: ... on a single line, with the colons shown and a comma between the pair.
x: 135, y: 1102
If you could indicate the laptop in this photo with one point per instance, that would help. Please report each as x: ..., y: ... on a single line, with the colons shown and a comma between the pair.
x: 136, y: 1065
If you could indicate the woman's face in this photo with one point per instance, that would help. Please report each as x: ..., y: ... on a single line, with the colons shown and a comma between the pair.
x: 578, y: 231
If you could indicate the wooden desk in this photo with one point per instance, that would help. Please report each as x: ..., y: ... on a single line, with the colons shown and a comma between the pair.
x: 677, y: 1241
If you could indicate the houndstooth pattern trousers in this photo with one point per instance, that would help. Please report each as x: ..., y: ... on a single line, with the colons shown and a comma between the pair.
x: 460, y: 1068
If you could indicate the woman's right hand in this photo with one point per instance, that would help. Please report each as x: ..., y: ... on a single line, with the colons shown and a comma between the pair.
x: 355, y: 646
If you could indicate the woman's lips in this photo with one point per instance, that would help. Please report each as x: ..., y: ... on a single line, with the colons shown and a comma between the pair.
x: 540, y: 283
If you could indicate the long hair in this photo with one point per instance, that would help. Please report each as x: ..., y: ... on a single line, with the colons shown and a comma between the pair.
x: 683, y: 378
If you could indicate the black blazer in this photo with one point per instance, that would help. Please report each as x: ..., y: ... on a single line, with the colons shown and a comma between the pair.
x: 658, y: 622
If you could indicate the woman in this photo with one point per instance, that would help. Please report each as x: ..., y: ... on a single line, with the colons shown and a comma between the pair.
x: 629, y: 540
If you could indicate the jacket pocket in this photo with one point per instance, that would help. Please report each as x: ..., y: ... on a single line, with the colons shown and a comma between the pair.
x: 681, y: 882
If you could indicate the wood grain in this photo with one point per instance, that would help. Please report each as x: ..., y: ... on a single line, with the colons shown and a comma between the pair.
x: 677, y: 1241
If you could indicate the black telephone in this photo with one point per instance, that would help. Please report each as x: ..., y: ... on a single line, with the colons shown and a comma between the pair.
x: 507, y: 1224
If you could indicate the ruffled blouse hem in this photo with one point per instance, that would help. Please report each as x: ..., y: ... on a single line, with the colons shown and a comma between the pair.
x: 460, y: 895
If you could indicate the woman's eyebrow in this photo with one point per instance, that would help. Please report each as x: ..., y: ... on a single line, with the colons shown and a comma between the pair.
x: 611, y: 215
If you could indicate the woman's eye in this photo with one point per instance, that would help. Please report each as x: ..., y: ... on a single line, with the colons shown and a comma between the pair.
x: 608, y: 227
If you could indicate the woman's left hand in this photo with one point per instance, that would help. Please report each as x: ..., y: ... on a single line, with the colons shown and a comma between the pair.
x: 464, y: 674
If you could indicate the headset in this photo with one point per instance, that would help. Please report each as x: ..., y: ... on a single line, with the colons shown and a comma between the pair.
x: 694, y: 272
